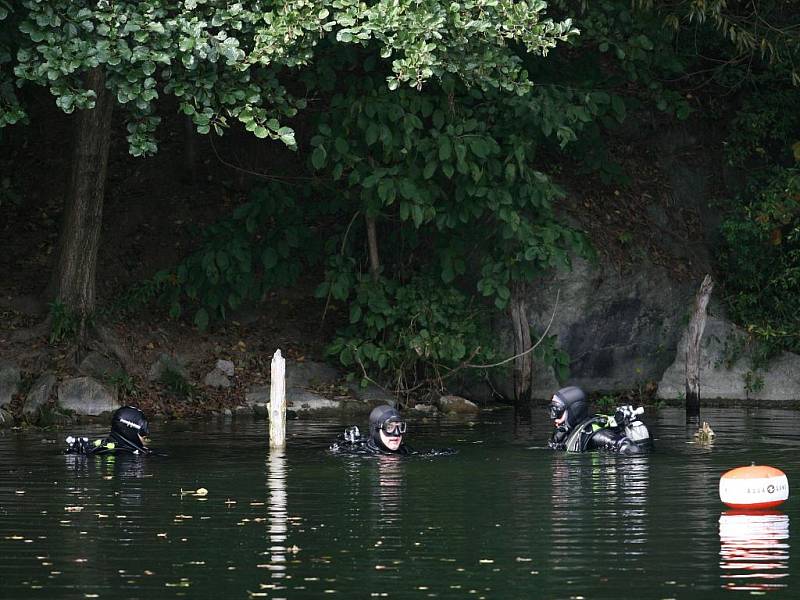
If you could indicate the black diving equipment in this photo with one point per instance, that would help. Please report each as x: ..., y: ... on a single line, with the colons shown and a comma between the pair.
x: 576, y: 431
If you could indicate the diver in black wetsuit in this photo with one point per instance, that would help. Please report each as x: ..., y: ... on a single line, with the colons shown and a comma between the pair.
x: 128, y: 432
x: 386, y: 430
x: 576, y: 431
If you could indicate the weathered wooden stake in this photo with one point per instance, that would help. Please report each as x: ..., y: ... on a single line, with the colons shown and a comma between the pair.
x: 696, y: 326
x: 277, y: 402
x: 523, y: 364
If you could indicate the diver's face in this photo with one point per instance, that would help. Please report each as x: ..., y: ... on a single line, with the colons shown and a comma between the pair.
x: 558, y: 412
x: 392, y: 442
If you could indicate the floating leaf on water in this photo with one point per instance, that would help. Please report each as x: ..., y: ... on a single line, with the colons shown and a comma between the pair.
x: 230, y: 502
x: 73, y: 508
x: 20, y: 492
x: 486, y: 561
x: 521, y: 559
x: 201, y: 492
x: 162, y: 535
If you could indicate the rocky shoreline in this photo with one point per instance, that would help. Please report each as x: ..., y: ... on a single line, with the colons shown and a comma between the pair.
x: 312, y: 388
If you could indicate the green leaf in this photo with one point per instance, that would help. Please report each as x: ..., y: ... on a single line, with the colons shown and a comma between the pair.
x: 201, y: 319
x: 318, y: 157
x: 355, y: 313
x: 386, y: 190
x: 445, y: 148
x: 269, y: 258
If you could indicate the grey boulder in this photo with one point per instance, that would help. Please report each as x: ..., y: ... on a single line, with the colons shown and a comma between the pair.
x: 39, y: 394
x: 9, y: 382
x: 86, y: 396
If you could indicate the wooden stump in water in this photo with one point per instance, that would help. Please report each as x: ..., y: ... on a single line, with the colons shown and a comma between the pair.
x: 277, y: 402
x: 696, y: 326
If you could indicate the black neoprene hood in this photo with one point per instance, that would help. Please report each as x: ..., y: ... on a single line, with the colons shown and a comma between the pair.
x: 572, y: 400
x: 379, y: 416
x: 127, y: 424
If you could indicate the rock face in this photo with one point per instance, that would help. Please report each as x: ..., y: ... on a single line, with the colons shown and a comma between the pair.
x: 217, y: 379
x: 309, y: 373
x: 618, y: 329
x: 100, y: 366
x: 9, y: 382
x: 85, y: 396
x: 164, y: 363
x: 39, y: 394
x: 721, y: 379
x: 225, y: 367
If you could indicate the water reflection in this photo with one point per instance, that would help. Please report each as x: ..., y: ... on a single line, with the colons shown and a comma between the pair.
x: 278, y: 517
x: 604, y: 493
x: 754, y: 550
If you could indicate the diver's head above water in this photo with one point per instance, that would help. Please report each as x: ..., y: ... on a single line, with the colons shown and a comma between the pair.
x: 568, y: 407
x: 386, y: 428
x: 129, y: 428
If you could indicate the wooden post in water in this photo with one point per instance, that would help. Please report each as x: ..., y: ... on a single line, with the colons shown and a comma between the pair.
x: 696, y: 326
x: 277, y: 402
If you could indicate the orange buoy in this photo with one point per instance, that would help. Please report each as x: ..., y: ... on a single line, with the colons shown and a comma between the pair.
x: 757, y: 486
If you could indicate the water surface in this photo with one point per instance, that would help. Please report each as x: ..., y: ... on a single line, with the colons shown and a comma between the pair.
x: 504, y: 518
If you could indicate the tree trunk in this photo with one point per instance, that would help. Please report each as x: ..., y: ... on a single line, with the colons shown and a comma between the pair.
x: 696, y: 327
x: 73, y: 279
x: 523, y: 365
x: 372, y: 241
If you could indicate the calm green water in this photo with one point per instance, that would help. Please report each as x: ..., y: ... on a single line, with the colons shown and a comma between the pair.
x: 504, y: 518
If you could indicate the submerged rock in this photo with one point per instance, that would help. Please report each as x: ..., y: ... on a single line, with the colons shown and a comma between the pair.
x: 456, y: 405
x: 372, y: 394
x: 39, y: 394
x: 85, y: 396
x: 9, y: 382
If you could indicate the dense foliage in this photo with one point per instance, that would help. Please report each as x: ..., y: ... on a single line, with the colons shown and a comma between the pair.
x: 444, y: 139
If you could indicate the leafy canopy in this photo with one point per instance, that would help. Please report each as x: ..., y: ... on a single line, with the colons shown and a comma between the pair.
x: 227, y: 61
